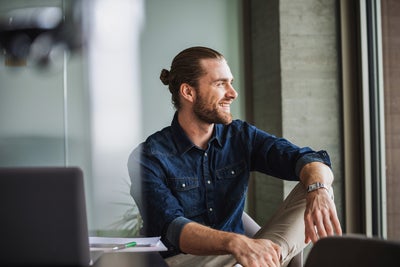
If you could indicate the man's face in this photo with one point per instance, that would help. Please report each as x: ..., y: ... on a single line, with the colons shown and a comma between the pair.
x: 215, y: 93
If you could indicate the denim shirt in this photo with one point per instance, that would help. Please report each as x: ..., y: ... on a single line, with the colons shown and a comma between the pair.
x: 175, y: 182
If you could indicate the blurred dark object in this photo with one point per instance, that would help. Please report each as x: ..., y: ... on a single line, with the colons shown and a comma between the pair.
x: 353, y: 250
x: 39, y: 34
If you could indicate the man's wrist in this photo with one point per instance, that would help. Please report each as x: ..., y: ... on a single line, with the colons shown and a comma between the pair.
x: 232, y: 243
x: 315, y: 186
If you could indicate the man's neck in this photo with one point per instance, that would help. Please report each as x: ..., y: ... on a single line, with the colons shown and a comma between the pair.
x: 198, y: 132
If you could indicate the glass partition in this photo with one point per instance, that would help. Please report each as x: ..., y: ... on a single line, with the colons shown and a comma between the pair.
x: 73, y: 106
x: 89, y: 107
x: 31, y: 109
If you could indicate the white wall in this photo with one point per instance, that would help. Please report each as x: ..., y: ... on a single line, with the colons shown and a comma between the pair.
x: 173, y: 25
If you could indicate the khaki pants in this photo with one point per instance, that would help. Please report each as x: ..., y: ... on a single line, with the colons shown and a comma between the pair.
x: 286, y: 228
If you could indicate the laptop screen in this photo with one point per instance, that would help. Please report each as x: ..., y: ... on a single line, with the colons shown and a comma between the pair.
x: 43, y: 217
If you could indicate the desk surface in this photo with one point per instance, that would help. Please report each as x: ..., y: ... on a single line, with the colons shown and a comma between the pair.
x: 131, y: 259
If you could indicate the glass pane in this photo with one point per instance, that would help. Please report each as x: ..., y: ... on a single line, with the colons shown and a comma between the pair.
x: 31, y: 117
x: 31, y: 105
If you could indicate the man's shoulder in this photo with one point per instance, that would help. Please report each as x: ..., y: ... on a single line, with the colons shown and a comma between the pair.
x: 160, y: 140
x: 160, y: 135
x: 238, y: 123
x: 239, y: 126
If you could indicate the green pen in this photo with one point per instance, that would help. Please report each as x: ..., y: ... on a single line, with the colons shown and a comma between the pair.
x: 129, y: 245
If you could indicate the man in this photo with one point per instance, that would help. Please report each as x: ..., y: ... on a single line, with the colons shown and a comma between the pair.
x: 190, y: 179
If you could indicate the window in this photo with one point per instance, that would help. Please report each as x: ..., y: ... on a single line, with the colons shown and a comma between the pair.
x: 390, y: 13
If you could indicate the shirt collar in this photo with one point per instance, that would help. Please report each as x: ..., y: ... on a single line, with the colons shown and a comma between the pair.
x: 217, y: 135
x: 183, y: 142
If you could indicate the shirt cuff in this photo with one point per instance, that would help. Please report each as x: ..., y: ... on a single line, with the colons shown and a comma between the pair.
x: 174, y: 230
x: 320, y: 156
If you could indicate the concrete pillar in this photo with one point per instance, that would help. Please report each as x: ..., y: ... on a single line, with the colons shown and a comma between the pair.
x: 295, y: 80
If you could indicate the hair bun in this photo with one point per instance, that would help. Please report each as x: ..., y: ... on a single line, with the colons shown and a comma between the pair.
x: 164, y: 77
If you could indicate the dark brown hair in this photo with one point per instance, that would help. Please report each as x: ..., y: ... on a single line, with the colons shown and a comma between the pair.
x: 186, y: 68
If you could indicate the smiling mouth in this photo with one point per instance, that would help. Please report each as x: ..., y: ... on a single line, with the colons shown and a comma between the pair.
x: 226, y: 106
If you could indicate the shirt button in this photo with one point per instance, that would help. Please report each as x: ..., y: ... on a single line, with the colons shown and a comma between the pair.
x: 232, y: 172
x: 208, y: 182
x: 183, y: 185
x: 205, y: 154
x: 210, y: 209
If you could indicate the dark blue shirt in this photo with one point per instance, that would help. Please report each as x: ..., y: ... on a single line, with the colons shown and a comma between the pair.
x: 175, y: 182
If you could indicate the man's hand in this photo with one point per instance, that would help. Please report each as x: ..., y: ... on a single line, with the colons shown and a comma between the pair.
x: 320, y: 216
x: 251, y: 252
x: 198, y: 239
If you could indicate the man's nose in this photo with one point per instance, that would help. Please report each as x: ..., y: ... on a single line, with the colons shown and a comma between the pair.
x: 231, y: 92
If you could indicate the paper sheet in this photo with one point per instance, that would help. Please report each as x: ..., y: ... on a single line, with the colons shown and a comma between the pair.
x: 107, y: 243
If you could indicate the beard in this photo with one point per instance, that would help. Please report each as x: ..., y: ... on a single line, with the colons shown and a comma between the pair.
x: 211, y: 113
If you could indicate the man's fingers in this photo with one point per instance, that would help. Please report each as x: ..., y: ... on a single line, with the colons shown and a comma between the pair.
x: 261, y: 252
x: 328, y: 226
x: 278, y: 250
x: 336, y: 224
x: 310, y: 229
x: 319, y: 225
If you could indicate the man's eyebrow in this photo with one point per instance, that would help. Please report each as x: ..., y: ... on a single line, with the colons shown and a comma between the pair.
x: 223, y: 80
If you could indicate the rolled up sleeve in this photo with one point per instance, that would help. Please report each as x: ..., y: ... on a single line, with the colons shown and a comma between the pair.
x: 319, y: 156
x: 174, y: 230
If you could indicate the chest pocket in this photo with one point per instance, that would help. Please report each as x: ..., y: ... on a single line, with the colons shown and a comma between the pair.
x: 187, y: 192
x: 232, y: 182
x: 183, y: 184
x: 231, y: 172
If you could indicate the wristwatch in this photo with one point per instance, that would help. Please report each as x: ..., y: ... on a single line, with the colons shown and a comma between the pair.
x: 316, y: 186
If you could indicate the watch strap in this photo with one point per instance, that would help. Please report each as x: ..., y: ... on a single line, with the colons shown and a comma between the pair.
x: 315, y: 186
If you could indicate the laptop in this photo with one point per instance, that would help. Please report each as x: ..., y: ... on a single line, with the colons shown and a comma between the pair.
x: 43, y: 217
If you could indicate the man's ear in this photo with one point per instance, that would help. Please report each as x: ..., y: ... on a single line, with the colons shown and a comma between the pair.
x: 187, y: 92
